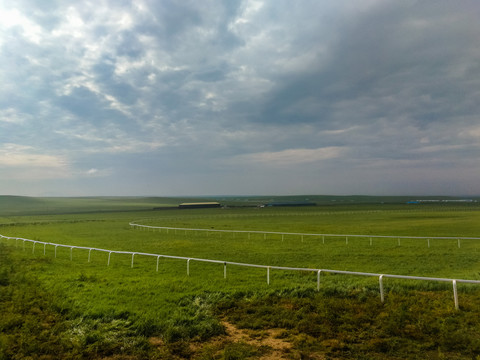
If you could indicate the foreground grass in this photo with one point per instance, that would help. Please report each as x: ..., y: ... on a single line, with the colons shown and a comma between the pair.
x: 62, y: 308
x: 349, y: 326
x: 335, y: 323
x: 38, y: 323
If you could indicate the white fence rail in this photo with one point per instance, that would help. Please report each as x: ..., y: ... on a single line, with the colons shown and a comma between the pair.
x: 457, y: 239
x: 225, y: 263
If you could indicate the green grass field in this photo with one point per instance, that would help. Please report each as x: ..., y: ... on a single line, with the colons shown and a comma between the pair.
x: 80, y: 309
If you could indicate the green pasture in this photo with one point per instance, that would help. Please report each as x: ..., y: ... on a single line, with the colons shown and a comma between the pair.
x: 178, y: 307
x: 22, y: 205
x: 442, y: 258
x: 111, y: 231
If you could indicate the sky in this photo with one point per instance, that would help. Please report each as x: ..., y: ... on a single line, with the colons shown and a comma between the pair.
x: 170, y: 98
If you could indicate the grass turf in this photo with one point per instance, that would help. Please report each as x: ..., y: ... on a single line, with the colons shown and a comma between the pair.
x: 142, y: 303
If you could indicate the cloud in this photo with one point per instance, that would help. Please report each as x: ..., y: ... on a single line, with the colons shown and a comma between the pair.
x: 92, y: 171
x: 12, y: 116
x: 97, y: 173
x: 291, y: 157
x: 472, y: 132
x: 19, y: 155
x: 186, y: 89
x: 25, y: 162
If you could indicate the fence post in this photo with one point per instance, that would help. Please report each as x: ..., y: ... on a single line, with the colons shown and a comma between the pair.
x: 71, y: 253
x: 346, y: 240
x: 323, y: 239
x: 188, y: 267
x: 158, y: 258
x: 318, y: 279
x: 225, y: 270
x: 44, y: 246
x: 370, y: 241
x: 89, y: 252
x: 33, y: 248
x: 108, y: 262
x: 398, y: 241
x: 458, y: 242
x: 382, y: 296
x: 56, y: 251
x: 455, y: 295
x: 133, y: 255
x: 428, y: 242
x: 268, y: 275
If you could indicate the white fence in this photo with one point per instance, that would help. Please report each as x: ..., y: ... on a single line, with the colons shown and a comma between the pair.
x: 225, y: 263
x: 303, y: 235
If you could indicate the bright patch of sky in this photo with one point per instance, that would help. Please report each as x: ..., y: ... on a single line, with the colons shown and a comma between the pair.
x: 239, y: 97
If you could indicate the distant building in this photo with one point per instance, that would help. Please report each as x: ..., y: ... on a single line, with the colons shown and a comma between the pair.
x: 291, y: 203
x: 429, y: 201
x: 199, y: 205
x: 443, y: 201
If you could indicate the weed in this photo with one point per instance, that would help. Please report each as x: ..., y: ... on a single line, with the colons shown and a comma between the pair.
x: 238, y: 351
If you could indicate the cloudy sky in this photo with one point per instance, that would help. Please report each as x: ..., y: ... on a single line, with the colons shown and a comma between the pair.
x: 165, y: 97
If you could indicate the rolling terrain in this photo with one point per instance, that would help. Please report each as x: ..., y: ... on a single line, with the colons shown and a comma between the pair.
x: 58, y: 302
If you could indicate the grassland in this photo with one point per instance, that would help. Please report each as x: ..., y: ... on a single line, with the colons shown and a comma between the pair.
x: 81, y: 309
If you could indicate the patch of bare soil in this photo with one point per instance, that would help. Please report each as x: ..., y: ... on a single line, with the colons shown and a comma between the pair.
x: 272, y: 342
x: 268, y: 338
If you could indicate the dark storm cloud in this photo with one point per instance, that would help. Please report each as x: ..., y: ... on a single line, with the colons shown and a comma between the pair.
x: 398, y: 58
x: 401, y: 74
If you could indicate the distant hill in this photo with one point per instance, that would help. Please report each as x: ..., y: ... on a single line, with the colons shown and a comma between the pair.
x: 24, y: 205
x: 326, y: 199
